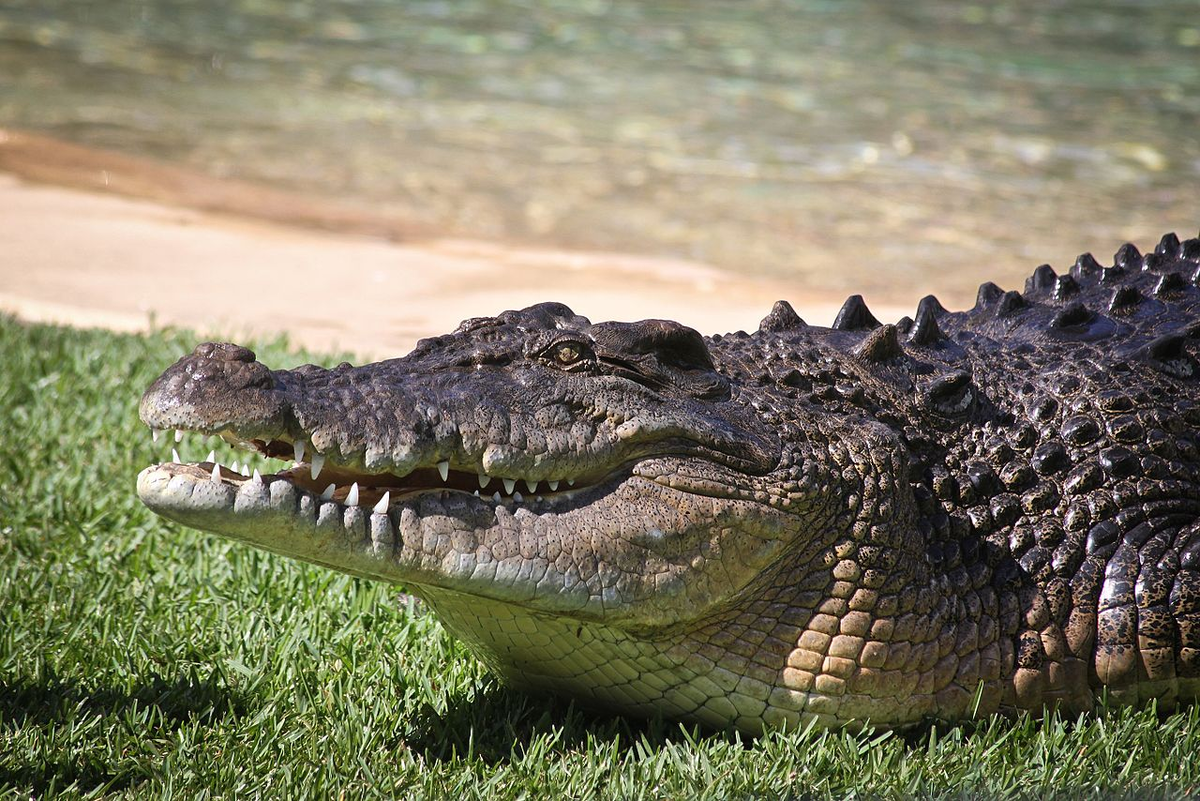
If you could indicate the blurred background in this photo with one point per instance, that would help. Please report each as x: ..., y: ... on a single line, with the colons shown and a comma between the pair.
x: 826, y: 146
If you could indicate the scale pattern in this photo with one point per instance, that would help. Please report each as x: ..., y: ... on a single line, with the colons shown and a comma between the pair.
x: 1052, y: 439
x: 956, y: 514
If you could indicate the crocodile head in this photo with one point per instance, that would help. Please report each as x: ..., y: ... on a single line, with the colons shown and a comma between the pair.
x: 605, y: 472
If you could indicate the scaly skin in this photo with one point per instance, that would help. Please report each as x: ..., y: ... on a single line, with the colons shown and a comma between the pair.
x: 996, y: 509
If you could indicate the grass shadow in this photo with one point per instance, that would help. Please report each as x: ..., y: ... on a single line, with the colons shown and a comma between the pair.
x: 86, y: 777
x: 158, y: 705
x: 179, y: 700
x: 498, y: 723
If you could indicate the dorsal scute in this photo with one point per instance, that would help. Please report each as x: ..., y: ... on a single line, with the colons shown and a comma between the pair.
x: 925, y: 330
x: 782, y: 317
x: 880, y: 345
x: 1042, y: 279
x: 1074, y: 314
x: 855, y: 316
x: 1168, y: 246
x: 1086, y: 267
x: 1128, y: 257
x: 1065, y: 287
x: 988, y: 294
x: 1010, y: 303
x: 1169, y: 284
x: 1124, y: 299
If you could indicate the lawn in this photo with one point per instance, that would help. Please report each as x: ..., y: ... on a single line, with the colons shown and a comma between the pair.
x: 141, y: 659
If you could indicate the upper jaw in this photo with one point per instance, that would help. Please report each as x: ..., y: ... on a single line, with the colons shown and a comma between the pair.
x: 347, y: 423
x: 382, y: 427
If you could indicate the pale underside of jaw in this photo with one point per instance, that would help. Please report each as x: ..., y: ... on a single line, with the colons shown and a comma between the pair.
x: 349, y: 488
x: 372, y: 526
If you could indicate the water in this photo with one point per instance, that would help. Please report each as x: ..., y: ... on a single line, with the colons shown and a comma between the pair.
x: 842, y: 145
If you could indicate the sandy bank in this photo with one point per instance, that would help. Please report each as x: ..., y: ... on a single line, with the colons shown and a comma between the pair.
x: 92, y: 257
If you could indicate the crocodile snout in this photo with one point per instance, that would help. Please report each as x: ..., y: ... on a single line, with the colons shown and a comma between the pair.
x: 223, y: 351
x: 232, y: 365
x: 217, y: 384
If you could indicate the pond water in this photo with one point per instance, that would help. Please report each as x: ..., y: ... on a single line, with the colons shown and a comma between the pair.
x: 839, y: 144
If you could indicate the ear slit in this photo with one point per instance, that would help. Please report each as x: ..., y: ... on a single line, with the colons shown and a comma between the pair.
x: 659, y: 354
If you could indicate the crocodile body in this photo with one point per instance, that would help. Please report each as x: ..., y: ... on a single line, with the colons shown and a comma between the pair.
x: 961, y: 513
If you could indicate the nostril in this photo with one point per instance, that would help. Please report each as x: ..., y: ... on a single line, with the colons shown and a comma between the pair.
x: 224, y: 351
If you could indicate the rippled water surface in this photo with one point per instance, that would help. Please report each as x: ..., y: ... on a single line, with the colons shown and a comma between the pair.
x: 840, y: 144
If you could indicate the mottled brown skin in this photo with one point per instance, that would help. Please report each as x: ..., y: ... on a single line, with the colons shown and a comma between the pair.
x: 996, y: 509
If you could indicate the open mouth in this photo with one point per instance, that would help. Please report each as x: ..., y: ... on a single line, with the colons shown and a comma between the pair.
x: 312, y: 472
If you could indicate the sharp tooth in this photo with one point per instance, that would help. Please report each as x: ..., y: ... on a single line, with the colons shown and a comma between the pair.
x: 298, y: 450
x: 154, y: 432
x: 484, y: 480
x: 444, y: 469
x: 381, y: 507
x: 179, y: 435
x: 496, y: 497
x: 328, y: 493
x: 318, y: 462
x: 235, y: 467
x: 476, y: 493
x: 532, y: 485
x: 212, y: 457
x: 553, y: 486
x: 570, y: 482
x: 256, y: 477
x: 175, y: 456
x: 517, y: 497
x: 508, y: 486
x: 216, y: 473
x: 540, y: 499
x: 352, y: 495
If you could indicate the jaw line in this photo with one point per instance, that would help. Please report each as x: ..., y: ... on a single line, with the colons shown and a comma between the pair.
x: 542, y: 557
x: 277, y: 516
x: 422, y: 477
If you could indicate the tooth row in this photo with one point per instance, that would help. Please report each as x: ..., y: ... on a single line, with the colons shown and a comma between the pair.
x: 443, y: 468
x: 353, y: 495
x: 510, y: 485
x: 298, y: 449
x: 317, y: 464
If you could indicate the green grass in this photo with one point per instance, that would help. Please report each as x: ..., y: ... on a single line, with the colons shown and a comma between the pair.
x: 141, y: 659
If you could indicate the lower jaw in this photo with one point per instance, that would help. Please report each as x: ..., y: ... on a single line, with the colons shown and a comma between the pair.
x: 272, y: 513
x: 397, y: 545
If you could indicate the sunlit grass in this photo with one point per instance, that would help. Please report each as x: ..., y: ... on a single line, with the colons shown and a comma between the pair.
x: 138, y: 658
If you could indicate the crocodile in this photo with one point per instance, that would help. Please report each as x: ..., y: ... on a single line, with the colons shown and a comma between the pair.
x: 954, y: 515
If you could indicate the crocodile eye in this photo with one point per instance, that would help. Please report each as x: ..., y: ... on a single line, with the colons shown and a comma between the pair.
x: 567, y: 353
